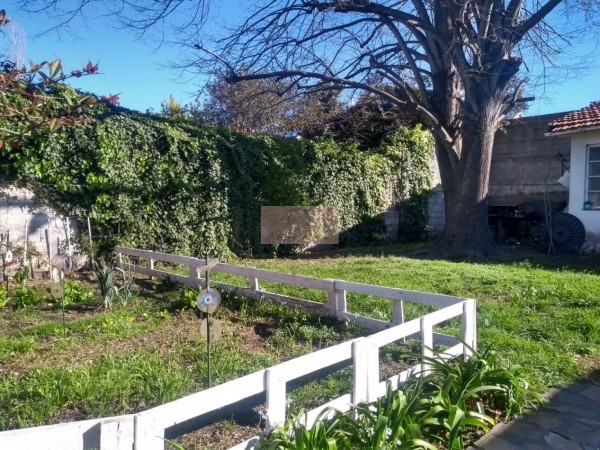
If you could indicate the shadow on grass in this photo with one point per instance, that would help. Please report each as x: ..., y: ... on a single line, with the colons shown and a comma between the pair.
x: 509, y: 255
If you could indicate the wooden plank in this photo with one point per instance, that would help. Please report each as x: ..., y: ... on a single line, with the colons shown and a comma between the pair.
x: 195, y: 405
x: 396, y: 333
x: 397, y: 312
x: 453, y: 352
x: 253, y: 284
x: 65, y: 436
x: 305, y: 364
x: 444, y: 339
x: 279, y: 277
x: 293, y: 302
x: 160, y: 273
x: 248, y: 444
x: 366, y: 322
x: 397, y: 380
x: 426, y: 342
x: 447, y: 313
x: 342, y: 304
x: 165, y: 257
x: 372, y: 363
x: 398, y: 294
x: 342, y: 404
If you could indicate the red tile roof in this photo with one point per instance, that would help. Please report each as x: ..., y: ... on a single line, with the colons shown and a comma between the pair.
x: 584, y: 118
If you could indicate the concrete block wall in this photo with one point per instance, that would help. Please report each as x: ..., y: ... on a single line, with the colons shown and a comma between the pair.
x: 525, y: 166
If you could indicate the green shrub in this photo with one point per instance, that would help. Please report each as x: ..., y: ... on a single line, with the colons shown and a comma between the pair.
x: 177, y: 186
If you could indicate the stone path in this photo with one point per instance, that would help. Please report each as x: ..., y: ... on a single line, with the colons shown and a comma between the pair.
x: 569, y: 421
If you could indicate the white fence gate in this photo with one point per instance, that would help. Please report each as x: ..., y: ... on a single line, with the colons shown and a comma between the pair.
x: 146, y: 430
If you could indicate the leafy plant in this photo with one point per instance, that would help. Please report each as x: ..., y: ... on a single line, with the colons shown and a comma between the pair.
x: 3, y: 297
x: 21, y: 275
x: 189, y: 298
x: 397, y: 421
x: 106, y: 282
x: 125, y: 293
x: 324, y: 434
x: 25, y: 298
x: 432, y: 410
x: 75, y: 293
x: 479, y: 382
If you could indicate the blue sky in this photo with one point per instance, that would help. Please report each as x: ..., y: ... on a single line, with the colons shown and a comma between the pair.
x: 135, y: 68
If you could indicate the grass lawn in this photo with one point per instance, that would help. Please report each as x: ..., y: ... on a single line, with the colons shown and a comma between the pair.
x: 542, y: 313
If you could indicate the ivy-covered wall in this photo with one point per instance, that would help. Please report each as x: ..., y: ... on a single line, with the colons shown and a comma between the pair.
x: 173, y: 185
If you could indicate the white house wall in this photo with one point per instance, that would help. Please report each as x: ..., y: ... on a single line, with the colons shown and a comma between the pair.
x: 590, y: 219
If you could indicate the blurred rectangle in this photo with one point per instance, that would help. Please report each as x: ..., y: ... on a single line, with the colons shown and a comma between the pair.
x: 304, y: 225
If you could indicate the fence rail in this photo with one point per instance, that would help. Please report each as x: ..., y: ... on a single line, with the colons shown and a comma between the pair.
x: 147, y: 429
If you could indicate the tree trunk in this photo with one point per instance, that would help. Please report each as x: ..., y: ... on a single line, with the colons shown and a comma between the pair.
x: 465, y: 188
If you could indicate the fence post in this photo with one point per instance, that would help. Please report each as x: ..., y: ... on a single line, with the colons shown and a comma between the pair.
x: 120, y: 259
x: 253, y: 283
x: 469, y: 327
x: 150, y: 265
x: 372, y: 371
x: 360, y: 352
x: 193, y: 273
x: 397, y: 312
x: 117, y: 434
x: 276, y: 399
x: 148, y: 435
x: 426, y: 342
x: 336, y: 300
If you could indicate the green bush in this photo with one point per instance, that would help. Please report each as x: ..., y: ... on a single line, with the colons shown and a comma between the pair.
x: 177, y: 186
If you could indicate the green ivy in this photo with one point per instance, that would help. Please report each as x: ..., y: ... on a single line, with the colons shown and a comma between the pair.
x: 173, y: 185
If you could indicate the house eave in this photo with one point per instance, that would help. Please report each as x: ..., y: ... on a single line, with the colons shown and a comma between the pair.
x: 576, y: 130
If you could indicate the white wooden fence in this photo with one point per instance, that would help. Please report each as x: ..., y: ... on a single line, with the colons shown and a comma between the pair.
x: 148, y: 428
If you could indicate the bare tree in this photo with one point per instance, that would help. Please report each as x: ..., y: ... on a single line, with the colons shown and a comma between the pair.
x: 452, y: 64
x: 267, y: 106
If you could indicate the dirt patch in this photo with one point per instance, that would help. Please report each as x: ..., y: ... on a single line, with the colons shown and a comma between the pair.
x: 590, y: 368
x: 219, y: 436
x: 176, y: 332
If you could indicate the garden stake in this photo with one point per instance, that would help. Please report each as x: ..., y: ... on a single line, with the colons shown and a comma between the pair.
x: 62, y: 303
x: 208, y: 327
